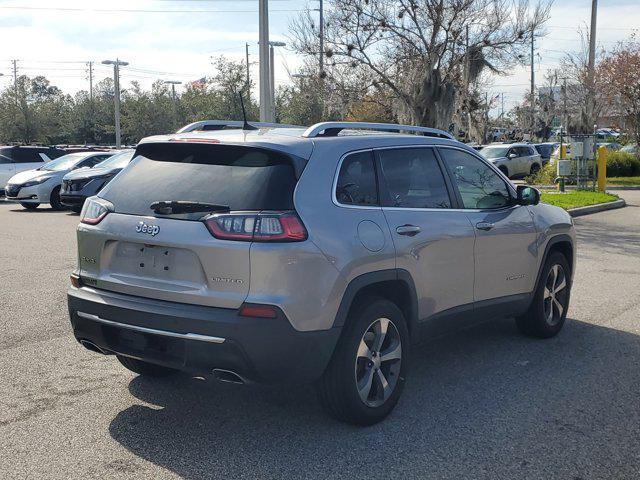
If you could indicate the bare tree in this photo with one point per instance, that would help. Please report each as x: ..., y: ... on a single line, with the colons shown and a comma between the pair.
x: 426, y: 52
x: 574, y: 67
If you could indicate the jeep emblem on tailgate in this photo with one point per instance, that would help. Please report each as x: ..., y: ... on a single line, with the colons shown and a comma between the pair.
x: 152, y: 230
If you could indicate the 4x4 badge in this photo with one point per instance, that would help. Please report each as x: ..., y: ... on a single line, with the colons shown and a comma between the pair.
x: 152, y: 230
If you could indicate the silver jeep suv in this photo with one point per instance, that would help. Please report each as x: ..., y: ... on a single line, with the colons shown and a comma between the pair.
x: 322, y: 254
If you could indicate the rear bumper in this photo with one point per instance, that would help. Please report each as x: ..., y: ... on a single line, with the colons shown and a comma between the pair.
x: 72, y: 200
x: 199, y: 339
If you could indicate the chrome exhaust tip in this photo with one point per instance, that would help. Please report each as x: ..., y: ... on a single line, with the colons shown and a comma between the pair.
x: 228, y: 376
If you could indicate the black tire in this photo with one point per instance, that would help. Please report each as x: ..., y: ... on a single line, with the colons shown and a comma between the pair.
x: 535, y: 168
x: 144, y: 368
x: 30, y: 206
x: 504, y: 170
x: 536, y: 321
x: 76, y: 208
x: 338, y: 387
x: 54, y: 200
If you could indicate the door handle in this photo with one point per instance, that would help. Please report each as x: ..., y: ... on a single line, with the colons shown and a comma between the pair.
x: 409, y: 230
x: 484, y: 226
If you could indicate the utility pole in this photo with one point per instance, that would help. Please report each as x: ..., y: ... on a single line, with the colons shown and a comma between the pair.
x: 272, y: 83
x: 591, y: 72
x: 272, y: 79
x: 321, y: 54
x: 173, y: 84
x: 90, y: 65
x: 116, y: 97
x: 533, y: 87
x: 246, y: 47
x: 266, y: 109
x: 466, y: 82
x: 565, y: 115
x: 486, y: 117
x: 15, y: 75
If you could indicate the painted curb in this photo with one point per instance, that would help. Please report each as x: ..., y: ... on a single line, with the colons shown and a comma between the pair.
x: 600, y: 207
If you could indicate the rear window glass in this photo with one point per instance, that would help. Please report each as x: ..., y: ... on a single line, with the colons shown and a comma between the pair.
x: 413, y: 179
x: 244, y: 178
x: 6, y: 155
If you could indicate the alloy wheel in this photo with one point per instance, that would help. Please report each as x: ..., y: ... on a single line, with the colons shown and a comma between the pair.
x: 555, y: 295
x: 378, y: 360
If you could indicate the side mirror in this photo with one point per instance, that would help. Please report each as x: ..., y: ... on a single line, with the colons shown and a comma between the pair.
x: 527, y: 195
x: 511, y: 156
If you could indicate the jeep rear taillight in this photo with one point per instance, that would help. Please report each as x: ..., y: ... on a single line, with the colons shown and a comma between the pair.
x: 257, y: 227
x: 94, y: 210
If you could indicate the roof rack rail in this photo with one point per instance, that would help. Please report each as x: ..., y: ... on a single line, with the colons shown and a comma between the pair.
x: 222, y: 124
x: 331, y: 129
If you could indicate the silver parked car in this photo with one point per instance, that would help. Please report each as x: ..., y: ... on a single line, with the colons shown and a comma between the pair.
x: 515, y: 160
x: 42, y: 185
x: 321, y: 254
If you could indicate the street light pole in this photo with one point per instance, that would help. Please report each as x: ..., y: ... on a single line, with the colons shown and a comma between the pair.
x: 263, y: 34
x: 116, y: 97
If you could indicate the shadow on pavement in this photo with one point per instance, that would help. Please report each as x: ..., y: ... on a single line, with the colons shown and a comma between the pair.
x: 40, y: 209
x: 484, y: 403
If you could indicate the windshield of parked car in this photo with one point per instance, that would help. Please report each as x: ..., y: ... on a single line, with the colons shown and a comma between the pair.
x: 119, y: 160
x: 545, y: 149
x: 65, y: 162
x: 494, y: 152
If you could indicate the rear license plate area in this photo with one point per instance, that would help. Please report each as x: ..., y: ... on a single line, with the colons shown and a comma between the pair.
x: 144, y: 345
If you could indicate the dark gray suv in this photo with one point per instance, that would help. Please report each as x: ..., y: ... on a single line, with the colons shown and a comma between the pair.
x: 311, y: 255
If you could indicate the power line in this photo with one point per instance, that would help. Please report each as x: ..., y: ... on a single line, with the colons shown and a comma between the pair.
x: 138, y: 10
x: 599, y: 28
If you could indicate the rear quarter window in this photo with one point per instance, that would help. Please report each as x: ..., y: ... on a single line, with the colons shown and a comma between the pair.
x: 356, y: 184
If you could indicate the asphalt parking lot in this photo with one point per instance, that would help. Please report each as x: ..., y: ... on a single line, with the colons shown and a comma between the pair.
x: 484, y: 403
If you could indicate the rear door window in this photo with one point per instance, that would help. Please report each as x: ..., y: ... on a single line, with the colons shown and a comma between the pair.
x: 356, y: 183
x: 240, y: 177
x: 412, y: 179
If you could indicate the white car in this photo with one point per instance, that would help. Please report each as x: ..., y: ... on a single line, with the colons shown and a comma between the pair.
x: 514, y: 159
x: 18, y: 158
x: 42, y: 185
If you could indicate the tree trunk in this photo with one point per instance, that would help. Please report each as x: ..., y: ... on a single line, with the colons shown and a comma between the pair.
x: 433, y: 103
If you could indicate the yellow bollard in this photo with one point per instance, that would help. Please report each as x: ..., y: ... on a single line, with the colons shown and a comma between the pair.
x: 602, y: 168
x: 562, y: 156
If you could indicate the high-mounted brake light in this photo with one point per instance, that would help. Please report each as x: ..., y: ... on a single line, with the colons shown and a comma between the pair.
x: 94, y: 210
x: 257, y: 227
x: 195, y: 140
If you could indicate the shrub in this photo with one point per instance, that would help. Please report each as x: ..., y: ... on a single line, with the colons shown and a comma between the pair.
x: 545, y: 176
x: 621, y: 164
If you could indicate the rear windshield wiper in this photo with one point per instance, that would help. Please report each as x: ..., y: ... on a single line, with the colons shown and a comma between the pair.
x: 173, y: 207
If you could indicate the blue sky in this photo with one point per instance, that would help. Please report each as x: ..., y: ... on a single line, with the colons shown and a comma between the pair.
x: 56, y: 37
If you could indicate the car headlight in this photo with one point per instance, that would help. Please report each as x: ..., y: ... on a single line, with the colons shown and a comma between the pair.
x: 35, y: 181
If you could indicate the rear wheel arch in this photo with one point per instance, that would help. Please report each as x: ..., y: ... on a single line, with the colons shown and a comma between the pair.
x: 395, y: 285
